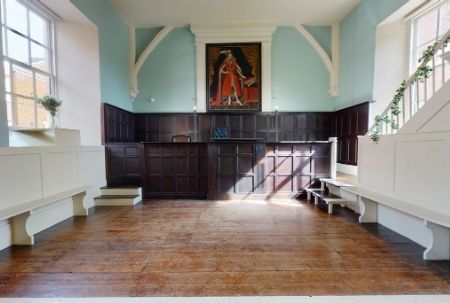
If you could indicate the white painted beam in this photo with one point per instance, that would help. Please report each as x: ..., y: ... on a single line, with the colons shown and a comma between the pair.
x: 332, y: 64
x: 135, y: 66
x: 132, y: 60
x: 334, y: 76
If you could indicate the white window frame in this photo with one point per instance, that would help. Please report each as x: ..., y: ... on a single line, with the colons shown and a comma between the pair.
x: 43, y: 12
x: 414, y: 56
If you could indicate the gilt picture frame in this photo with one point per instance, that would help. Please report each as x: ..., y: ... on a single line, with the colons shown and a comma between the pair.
x: 233, y: 77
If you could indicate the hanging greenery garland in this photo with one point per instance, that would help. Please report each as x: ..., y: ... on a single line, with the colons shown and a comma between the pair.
x: 422, y: 73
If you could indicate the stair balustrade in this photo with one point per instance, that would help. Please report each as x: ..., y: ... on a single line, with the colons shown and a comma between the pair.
x: 432, y: 73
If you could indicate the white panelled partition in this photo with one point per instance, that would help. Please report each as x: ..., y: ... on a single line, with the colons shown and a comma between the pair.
x: 46, y: 180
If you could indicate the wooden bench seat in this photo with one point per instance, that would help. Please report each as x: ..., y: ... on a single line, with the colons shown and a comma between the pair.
x: 20, y: 214
x: 437, y: 223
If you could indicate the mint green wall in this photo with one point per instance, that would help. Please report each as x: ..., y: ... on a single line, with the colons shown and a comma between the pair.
x: 143, y: 37
x: 300, y: 81
x: 168, y: 74
x: 113, y: 44
x: 357, y: 50
x: 323, y: 36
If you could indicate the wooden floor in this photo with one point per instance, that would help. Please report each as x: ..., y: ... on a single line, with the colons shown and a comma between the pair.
x: 192, y: 248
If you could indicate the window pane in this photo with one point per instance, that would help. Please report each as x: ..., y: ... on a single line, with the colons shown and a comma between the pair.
x: 7, y: 76
x: 16, y: 16
x: 42, y: 117
x: 444, y: 25
x: 4, y: 41
x: 42, y: 85
x: 22, y: 81
x: 3, y: 9
x: 25, y: 112
x: 427, y: 27
x: 17, y: 47
x: 38, y: 28
x: 9, y: 110
x: 39, y: 57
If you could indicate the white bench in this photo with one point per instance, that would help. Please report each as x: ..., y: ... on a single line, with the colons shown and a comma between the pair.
x: 20, y: 215
x: 437, y: 223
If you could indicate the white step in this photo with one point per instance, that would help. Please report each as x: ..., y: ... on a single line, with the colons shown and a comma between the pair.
x: 121, y: 200
x: 121, y: 191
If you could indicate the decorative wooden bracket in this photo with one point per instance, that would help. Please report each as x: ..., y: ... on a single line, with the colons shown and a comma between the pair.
x: 332, y: 64
x: 136, y: 65
x: 439, y: 245
x: 368, y: 210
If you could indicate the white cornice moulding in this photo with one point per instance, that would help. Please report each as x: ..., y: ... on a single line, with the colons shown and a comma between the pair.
x: 229, y: 33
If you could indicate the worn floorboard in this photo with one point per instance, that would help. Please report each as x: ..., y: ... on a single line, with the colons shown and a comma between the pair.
x: 199, y: 248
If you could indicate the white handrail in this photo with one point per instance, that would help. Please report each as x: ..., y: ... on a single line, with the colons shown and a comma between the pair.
x: 416, y: 92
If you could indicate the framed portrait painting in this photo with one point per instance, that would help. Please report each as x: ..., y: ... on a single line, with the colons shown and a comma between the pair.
x: 233, y: 77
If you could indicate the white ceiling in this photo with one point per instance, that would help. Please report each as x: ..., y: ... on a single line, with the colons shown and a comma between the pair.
x: 153, y: 13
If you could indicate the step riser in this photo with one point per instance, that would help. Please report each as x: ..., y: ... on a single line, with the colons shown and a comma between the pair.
x: 121, y: 191
x: 117, y: 202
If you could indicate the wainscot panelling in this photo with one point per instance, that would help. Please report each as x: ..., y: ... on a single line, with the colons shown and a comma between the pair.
x: 124, y: 164
x: 175, y: 170
x: 118, y: 125
x: 122, y: 126
x: 348, y: 124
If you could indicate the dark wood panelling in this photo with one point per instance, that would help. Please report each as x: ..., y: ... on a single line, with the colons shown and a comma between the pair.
x: 234, y: 168
x: 118, y: 125
x: 195, y: 170
x: 124, y: 164
x: 348, y: 124
x: 177, y: 170
x: 122, y: 126
x: 270, y: 127
x: 290, y: 168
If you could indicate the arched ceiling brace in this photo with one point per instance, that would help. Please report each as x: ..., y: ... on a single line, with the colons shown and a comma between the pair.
x: 136, y: 65
x: 332, y: 64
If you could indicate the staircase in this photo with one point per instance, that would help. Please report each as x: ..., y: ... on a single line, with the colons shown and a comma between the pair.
x: 119, y: 196
x: 412, y: 95
x: 406, y: 171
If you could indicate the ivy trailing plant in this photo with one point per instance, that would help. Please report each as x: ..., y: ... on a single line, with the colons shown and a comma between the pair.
x: 422, y: 73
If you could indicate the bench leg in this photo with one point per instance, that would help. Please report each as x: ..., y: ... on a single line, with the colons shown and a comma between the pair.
x: 79, y: 208
x: 439, y: 245
x: 368, y: 210
x: 308, y: 196
x: 330, y: 208
x: 20, y: 234
x: 316, y: 200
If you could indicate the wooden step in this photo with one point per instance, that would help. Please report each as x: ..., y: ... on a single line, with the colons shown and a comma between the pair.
x: 117, y: 200
x: 326, y: 196
x: 121, y: 191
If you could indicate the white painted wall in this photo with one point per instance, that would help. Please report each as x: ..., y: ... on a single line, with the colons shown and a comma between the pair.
x: 30, y: 173
x: 410, y: 167
x: 78, y: 71
x: 434, y: 116
x: 391, y: 63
